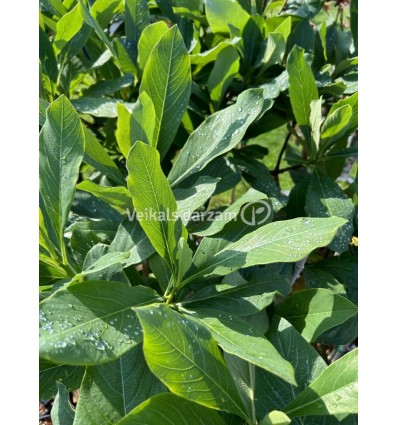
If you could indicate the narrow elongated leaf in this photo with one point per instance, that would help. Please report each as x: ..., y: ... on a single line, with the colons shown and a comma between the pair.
x: 61, y: 153
x: 221, y: 76
x: 123, y: 130
x: 302, y: 92
x: 313, y: 311
x: 237, y: 338
x: 118, y: 197
x: 100, y: 326
x: 353, y: 102
x: 221, y: 131
x: 149, y: 38
x: 98, y: 106
x: 62, y: 412
x: 316, y: 121
x: 183, y: 355
x: 282, y: 241
x: 167, y: 81
x: 105, y: 87
x: 336, y: 126
x: 153, y: 200
x: 334, y: 392
x: 47, y: 56
x: 109, y: 392
x: 136, y: 20
x: 97, y: 157
x: 143, y: 121
x: 173, y: 409
x: 325, y: 198
x: 271, y: 392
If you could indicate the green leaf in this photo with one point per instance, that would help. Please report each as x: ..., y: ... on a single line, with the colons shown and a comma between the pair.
x: 183, y: 355
x: 50, y: 374
x: 62, y: 412
x: 47, y: 56
x: 98, y: 106
x: 275, y: 50
x: 306, y: 9
x: 96, y: 156
x: 281, y: 241
x: 335, y: 126
x: 235, y: 337
x: 167, y: 81
x: 270, y: 391
x: 353, y: 102
x: 325, y: 198
x: 313, y: 311
x: 316, y: 121
x: 302, y: 92
x: 217, y: 10
x: 104, y: 10
x: 334, y: 392
x: 118, y: 197
x: 67, y: 27
x: 204, y: 58
x: 123, y: 130
x: 110, y: 391
x: 188, y: 200
x: 243, y: 300
x: 221, y: 76
x: 149, y: 38
x: 154, y: 201
x: 143, y: 121
x: 136, y: 20
x: 222, y: 131
x: 104, y: 87
x: 100, y: 327
x: 275, y: 418
x: 231, y: 212
x: 130, y: 237
x: 169, y: 407
x: 61, y: 153
x: 55, y: 7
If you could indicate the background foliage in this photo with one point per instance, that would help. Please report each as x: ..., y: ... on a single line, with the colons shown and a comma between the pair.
x: 198, y: 105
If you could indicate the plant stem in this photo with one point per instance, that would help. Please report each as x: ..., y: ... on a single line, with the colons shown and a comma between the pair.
x: 284, y: 170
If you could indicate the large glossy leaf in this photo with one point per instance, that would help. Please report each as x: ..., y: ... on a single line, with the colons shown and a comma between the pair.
x: 154, y: 200
x: 61, y: 153
x: 100, y: 325
x: 104, y: 10
x: 220, y: 133
x: 302, y: 92
x: 62, y: 412
x: 281, y: 241
x: 325, y: 198
x: 173, y: 409
x: 67, y: 27
x: 270, y: 391
x: 109, y: 392
x: 235, y: 337
x: 222, y: 74
x: 183, y: 355
x: 167, y: 81
x: 313, y: 311
x: 335, y: 391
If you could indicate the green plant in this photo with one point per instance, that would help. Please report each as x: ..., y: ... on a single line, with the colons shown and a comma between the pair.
x: 183, y: 278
